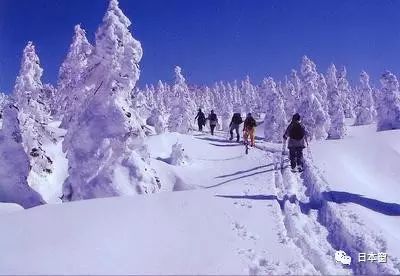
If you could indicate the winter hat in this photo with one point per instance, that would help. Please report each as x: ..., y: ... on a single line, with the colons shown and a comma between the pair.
x: 296, y: 117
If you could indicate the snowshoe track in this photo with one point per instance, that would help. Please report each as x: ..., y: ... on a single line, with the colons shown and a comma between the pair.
x: 320, y: 228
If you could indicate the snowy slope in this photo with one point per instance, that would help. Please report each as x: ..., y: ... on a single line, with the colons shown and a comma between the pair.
x: 363, y: 175
x: 235, y: 226
x: 233, y: 214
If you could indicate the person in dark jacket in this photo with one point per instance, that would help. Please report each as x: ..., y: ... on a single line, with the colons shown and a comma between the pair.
x: 297, y: 135
x: 201, y: 119
x: 212, y: 117
x: 236, y: 121
x: 249, y: 129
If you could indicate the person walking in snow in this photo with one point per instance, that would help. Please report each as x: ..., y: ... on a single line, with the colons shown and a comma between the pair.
x: 297, y: 135
x: 249, y: 129
x: 201, y: 119
x: 236, y: 121
x: 212, y: 117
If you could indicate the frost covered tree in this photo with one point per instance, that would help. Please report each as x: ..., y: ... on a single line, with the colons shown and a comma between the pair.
x: 14, y: 163
x: 248, y: 95
x: 388, y: 103
x: 226, y: 107
x: 157, y: 121
x: 315, y: 119
x: 71, y: 73
x: 178, y: 156
x: 337, y: 128
x: 182, y: 108
x: 104, y: 144
x: 4, y: 99
x: 296, y: 83
x: 275, y: 116
x: 289, y: 94
x: 365, y: 110
x: 346, y: 93
x: 34, y: 115
x: 160, y: 97
x: 323, y: 92
x: 140, y: 104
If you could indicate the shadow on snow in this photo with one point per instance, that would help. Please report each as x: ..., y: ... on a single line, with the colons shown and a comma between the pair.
x: 390, y: 209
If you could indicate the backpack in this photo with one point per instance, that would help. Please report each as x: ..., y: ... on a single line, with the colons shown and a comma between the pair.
x: 250, y: 123
x: 202, y: 117
x: 297, y: 131
x: 213, y: 117
x: 237, y: 119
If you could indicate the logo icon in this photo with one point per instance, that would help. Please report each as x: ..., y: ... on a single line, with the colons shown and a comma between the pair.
x: 342, y: 257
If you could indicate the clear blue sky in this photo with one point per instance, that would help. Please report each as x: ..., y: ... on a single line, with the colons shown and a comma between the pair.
x: 213, y: 39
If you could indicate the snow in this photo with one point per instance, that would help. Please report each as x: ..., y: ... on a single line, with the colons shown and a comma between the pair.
x: 362, y: 171
x: 126, y: 186
x: 234, y: 213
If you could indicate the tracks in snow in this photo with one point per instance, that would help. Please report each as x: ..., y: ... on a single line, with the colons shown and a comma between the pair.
x: 319, y: 228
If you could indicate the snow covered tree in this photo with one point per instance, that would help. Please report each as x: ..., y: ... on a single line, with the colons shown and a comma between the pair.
x: 365, y: 110
x: 178, y: 156
x: 226, y: 107
x: 160, y: 97
x: 323, y: 92
x: 275, y: 116
x: 290, y: 97
x: 4, y: 99
x: 182, y: 108
x: 157, y: 121
x: 14, y: 163
x: 337, y: 128
x: 140, y: 104
x: 345, y: 92
x: 73, y: 71
x: 296, y: 83
x: 248, y: 94
x: 34, y: 115
x: 388, y: 103
x: 104, y: 144
x: 315, y: 119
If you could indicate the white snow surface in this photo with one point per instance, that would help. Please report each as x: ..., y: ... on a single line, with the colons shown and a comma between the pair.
x: 231, y: 213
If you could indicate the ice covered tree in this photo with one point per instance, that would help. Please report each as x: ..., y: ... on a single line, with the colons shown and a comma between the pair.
x: 73, y: 71
x: 365, y: 109
x: 388, y: 103
x: 140, y: 104
x: 275, y: 116
x: 160, y: 97
x: 337, y: 128
x: 226, y: 106
x: 14, y: 163
x: 296, y: 83
x: 248, y: 95
x: 4, y: 99
x: 157, y: 121
x: 104, y: 144
x: 178, y: 156
x: 323, y: 92
x: 182, y: 108
x: 315, y: 119
x: 33, y: 115
x: 345, y: 92
x: 290, y: 97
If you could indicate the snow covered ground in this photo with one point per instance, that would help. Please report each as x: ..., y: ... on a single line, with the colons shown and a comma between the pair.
x: 230, y: 213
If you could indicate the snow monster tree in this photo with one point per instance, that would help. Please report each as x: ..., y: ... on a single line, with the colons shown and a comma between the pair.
x: 104, y: 144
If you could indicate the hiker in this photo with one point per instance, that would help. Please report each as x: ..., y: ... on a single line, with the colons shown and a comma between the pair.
x: 236, y: 121
x: 249, y: 129
x: 201, y: 119
x: 212, y: 117
x: 297, y: 135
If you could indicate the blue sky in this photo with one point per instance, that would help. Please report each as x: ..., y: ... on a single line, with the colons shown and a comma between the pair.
x: 213, y: 39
